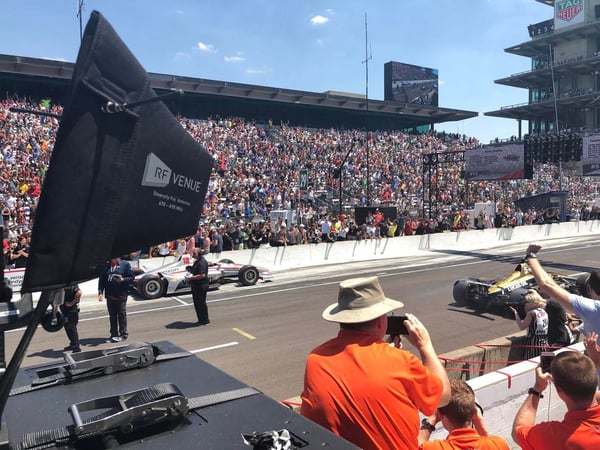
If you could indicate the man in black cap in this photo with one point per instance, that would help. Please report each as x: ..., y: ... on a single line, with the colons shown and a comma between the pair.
x: 585, y: 306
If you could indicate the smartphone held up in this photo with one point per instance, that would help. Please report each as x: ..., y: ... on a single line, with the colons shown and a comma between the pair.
x: 546, y: 361
x: 396, y: 326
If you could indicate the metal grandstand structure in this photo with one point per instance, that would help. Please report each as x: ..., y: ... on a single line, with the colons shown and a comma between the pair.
x: 563, y: 83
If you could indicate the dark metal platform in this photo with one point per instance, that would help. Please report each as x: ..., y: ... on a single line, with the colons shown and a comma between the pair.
x: 218, y: 426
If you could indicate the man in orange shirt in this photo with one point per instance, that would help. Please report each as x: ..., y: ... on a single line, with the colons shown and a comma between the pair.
x: 574, y: 376
x: 464, y: 420
x: 365, y: 389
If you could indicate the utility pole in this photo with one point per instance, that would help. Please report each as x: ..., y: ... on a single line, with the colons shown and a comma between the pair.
x: 80, y: 4
x: 366, y: 63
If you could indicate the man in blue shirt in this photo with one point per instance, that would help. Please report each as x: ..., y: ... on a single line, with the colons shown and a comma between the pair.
x: 114, y: 283
x: 585, y: 306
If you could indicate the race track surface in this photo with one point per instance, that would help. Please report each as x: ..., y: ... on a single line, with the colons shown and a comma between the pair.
x: 262, y: 334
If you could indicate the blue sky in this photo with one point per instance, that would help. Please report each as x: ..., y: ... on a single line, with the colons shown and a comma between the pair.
x: 307, y: 45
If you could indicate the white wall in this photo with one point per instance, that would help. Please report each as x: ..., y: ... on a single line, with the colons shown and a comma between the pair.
x: 284, y: 258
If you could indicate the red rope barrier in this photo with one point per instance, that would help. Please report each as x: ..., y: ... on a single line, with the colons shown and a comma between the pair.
x: 550, y: 347
x: 472, y: 361
x: 508, y: 377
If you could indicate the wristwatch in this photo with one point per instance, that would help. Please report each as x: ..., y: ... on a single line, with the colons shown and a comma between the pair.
x: 530, y: 255
x: 426, y: 425
x: 532, y: 391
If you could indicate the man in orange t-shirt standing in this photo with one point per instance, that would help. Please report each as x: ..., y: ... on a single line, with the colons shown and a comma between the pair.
x: 364, y: 389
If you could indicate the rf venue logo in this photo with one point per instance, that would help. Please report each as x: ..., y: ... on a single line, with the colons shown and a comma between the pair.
x: 156, y: 172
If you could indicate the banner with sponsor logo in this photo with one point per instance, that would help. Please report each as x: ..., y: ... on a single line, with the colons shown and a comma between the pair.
x: 14, y: 278
x: 568, y: 12
x: 499, y: 162
x: 590, y: 159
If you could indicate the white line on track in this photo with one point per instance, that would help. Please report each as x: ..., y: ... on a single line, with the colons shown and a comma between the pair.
x: 214, y: 347
x: 180, y: 300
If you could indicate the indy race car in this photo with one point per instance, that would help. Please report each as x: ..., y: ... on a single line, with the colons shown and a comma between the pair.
x: 485, y: 295
x: 171, y: 278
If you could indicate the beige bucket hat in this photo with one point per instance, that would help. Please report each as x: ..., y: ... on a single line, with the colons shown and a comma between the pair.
x: 360, y: 300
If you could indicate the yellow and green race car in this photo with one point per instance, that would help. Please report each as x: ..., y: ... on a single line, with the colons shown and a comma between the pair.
x: 484, y: 294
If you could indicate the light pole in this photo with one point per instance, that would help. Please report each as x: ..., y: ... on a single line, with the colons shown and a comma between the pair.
x: 337, y: 172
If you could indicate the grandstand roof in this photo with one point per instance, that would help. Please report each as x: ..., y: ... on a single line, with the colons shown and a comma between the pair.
x: 30, y: 76
x: 540, y: 44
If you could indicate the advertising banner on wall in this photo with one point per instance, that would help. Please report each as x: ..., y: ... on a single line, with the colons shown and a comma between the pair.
x: 590, y: 159
x: 499, y: 162
x: 568, y: 12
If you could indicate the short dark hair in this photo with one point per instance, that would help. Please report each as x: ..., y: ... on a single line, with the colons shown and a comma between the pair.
x: 594, y: 282
x: 575, y: 375
x: 459, y: 411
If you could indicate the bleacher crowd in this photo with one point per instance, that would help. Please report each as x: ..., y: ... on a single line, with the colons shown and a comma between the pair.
x: 257, y: 168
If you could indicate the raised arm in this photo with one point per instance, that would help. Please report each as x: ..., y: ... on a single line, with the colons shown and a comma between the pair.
x: 545, y: 282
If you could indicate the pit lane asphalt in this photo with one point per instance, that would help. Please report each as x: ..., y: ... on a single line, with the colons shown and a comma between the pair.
x: 261, y: 334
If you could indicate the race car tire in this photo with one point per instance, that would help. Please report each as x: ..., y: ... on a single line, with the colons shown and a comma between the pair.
x: 248, y: 275
x: 460, y: 293
x: 47, y: 322
x: 151, y: 287
x: 582, y: 281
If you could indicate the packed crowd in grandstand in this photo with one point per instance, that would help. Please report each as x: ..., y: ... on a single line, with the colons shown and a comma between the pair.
x: 257, y: 168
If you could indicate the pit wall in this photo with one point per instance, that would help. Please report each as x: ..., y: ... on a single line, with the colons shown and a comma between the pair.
x: 290, y: 257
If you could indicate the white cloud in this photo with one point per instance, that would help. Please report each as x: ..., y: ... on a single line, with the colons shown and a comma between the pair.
x: 182, y: 55
x: 258, y: 71
x: 208, y: 48
x: 319, y: 20
x: 234, y: 59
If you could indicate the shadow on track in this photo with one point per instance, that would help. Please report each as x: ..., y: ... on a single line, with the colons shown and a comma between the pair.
x: 516, y: 260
